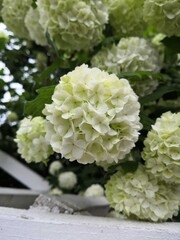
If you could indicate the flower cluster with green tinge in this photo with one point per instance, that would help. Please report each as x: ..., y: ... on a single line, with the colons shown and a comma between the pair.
x: 31, y: 141
x: 73, y: 24
x: 94, y: 116
x: 162, y: 148
x: 130, y: 55
x: 164, y: 15
x: 36, y: 31
x: 126, y: 17
x: 140, y: 194
x: 13, y: 14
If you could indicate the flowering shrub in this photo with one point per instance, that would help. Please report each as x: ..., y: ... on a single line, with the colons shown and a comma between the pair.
x: 94, y: 116
x: 73, y: 24
x: 162, y: 148
x: 140, y: 194
x: 126, y: 17
x: 130, y: 54
x: 31, y: 141
x: 164, y: 15
x: 95, y: 82
x: 13, y: 14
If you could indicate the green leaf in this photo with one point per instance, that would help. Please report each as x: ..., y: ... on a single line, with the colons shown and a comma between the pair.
x: 159, y: 93
x: 172, y: 43
x: 130, y: 166
x: 146, y: 122
x: 35, y: 107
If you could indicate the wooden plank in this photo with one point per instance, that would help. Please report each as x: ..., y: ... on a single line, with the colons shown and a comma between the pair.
x: 17, y: 198
x: 22, y: 173
x: 16, y: 224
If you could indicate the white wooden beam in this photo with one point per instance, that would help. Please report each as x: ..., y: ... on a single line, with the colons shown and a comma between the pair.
x: 22, y: 173
x: 16, y: 224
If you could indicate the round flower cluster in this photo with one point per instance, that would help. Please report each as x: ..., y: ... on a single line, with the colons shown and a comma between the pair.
x: 67, y: 180
x: 94, y: 116
x: 36, y: 32
x: 73, y: 24
x: 130, y: 55
x: 126, y: 17
x: 140, y: 194
x: 164, y: 15
x: 162, y: 148
x: 13, y: 14
x: 95, y: 190
x: 31, y: 141
x: 55, y: 167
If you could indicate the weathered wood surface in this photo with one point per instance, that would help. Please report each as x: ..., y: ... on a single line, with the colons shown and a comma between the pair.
x: 18, y: 224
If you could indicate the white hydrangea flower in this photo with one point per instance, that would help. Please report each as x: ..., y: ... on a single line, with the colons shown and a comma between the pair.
x: 140, y: 194
x: 95, y: 190
x: 55, y: 167
x: 164, y: 15
x: 126, y: 17
x: 94, y: 116
x: 130, y: 55
x: 13, y: 14
x: 31, y: 141
x: 36, y: 31
x: 162, y: 148
x: 67, y: 180
x: 73, y: 24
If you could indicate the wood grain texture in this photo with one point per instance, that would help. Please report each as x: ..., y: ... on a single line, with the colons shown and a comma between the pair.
x: 16, y: 224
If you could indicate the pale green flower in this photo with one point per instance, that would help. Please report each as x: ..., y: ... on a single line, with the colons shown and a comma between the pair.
x: 13, y: 14
x: 164, y: 15
x: 73, y: 24
x: 162, y: 148
x: 94, y: 116
x: 55, y: 167
x: 95, y: 190
x: 31, y: 141
x: 36, y: 31
x: 140, y: 194
x: 67, y: 180
x: 55, y: 192
x: 130, y: 55
x: 126, y: 17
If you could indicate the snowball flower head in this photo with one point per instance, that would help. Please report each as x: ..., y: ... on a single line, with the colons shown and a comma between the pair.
x: 162, y: 148
x: 73, y: 24
x: 95, y: 190
x: 164, y: 15
x: 94, y: 116
x: 130, y: 55
x: 126, y: 17
x: 140, y: 194
x: 31, y: 141
x: 13, y: 14
x: 67, y: 180
x: 36, y: 31
x: 55, y: 167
